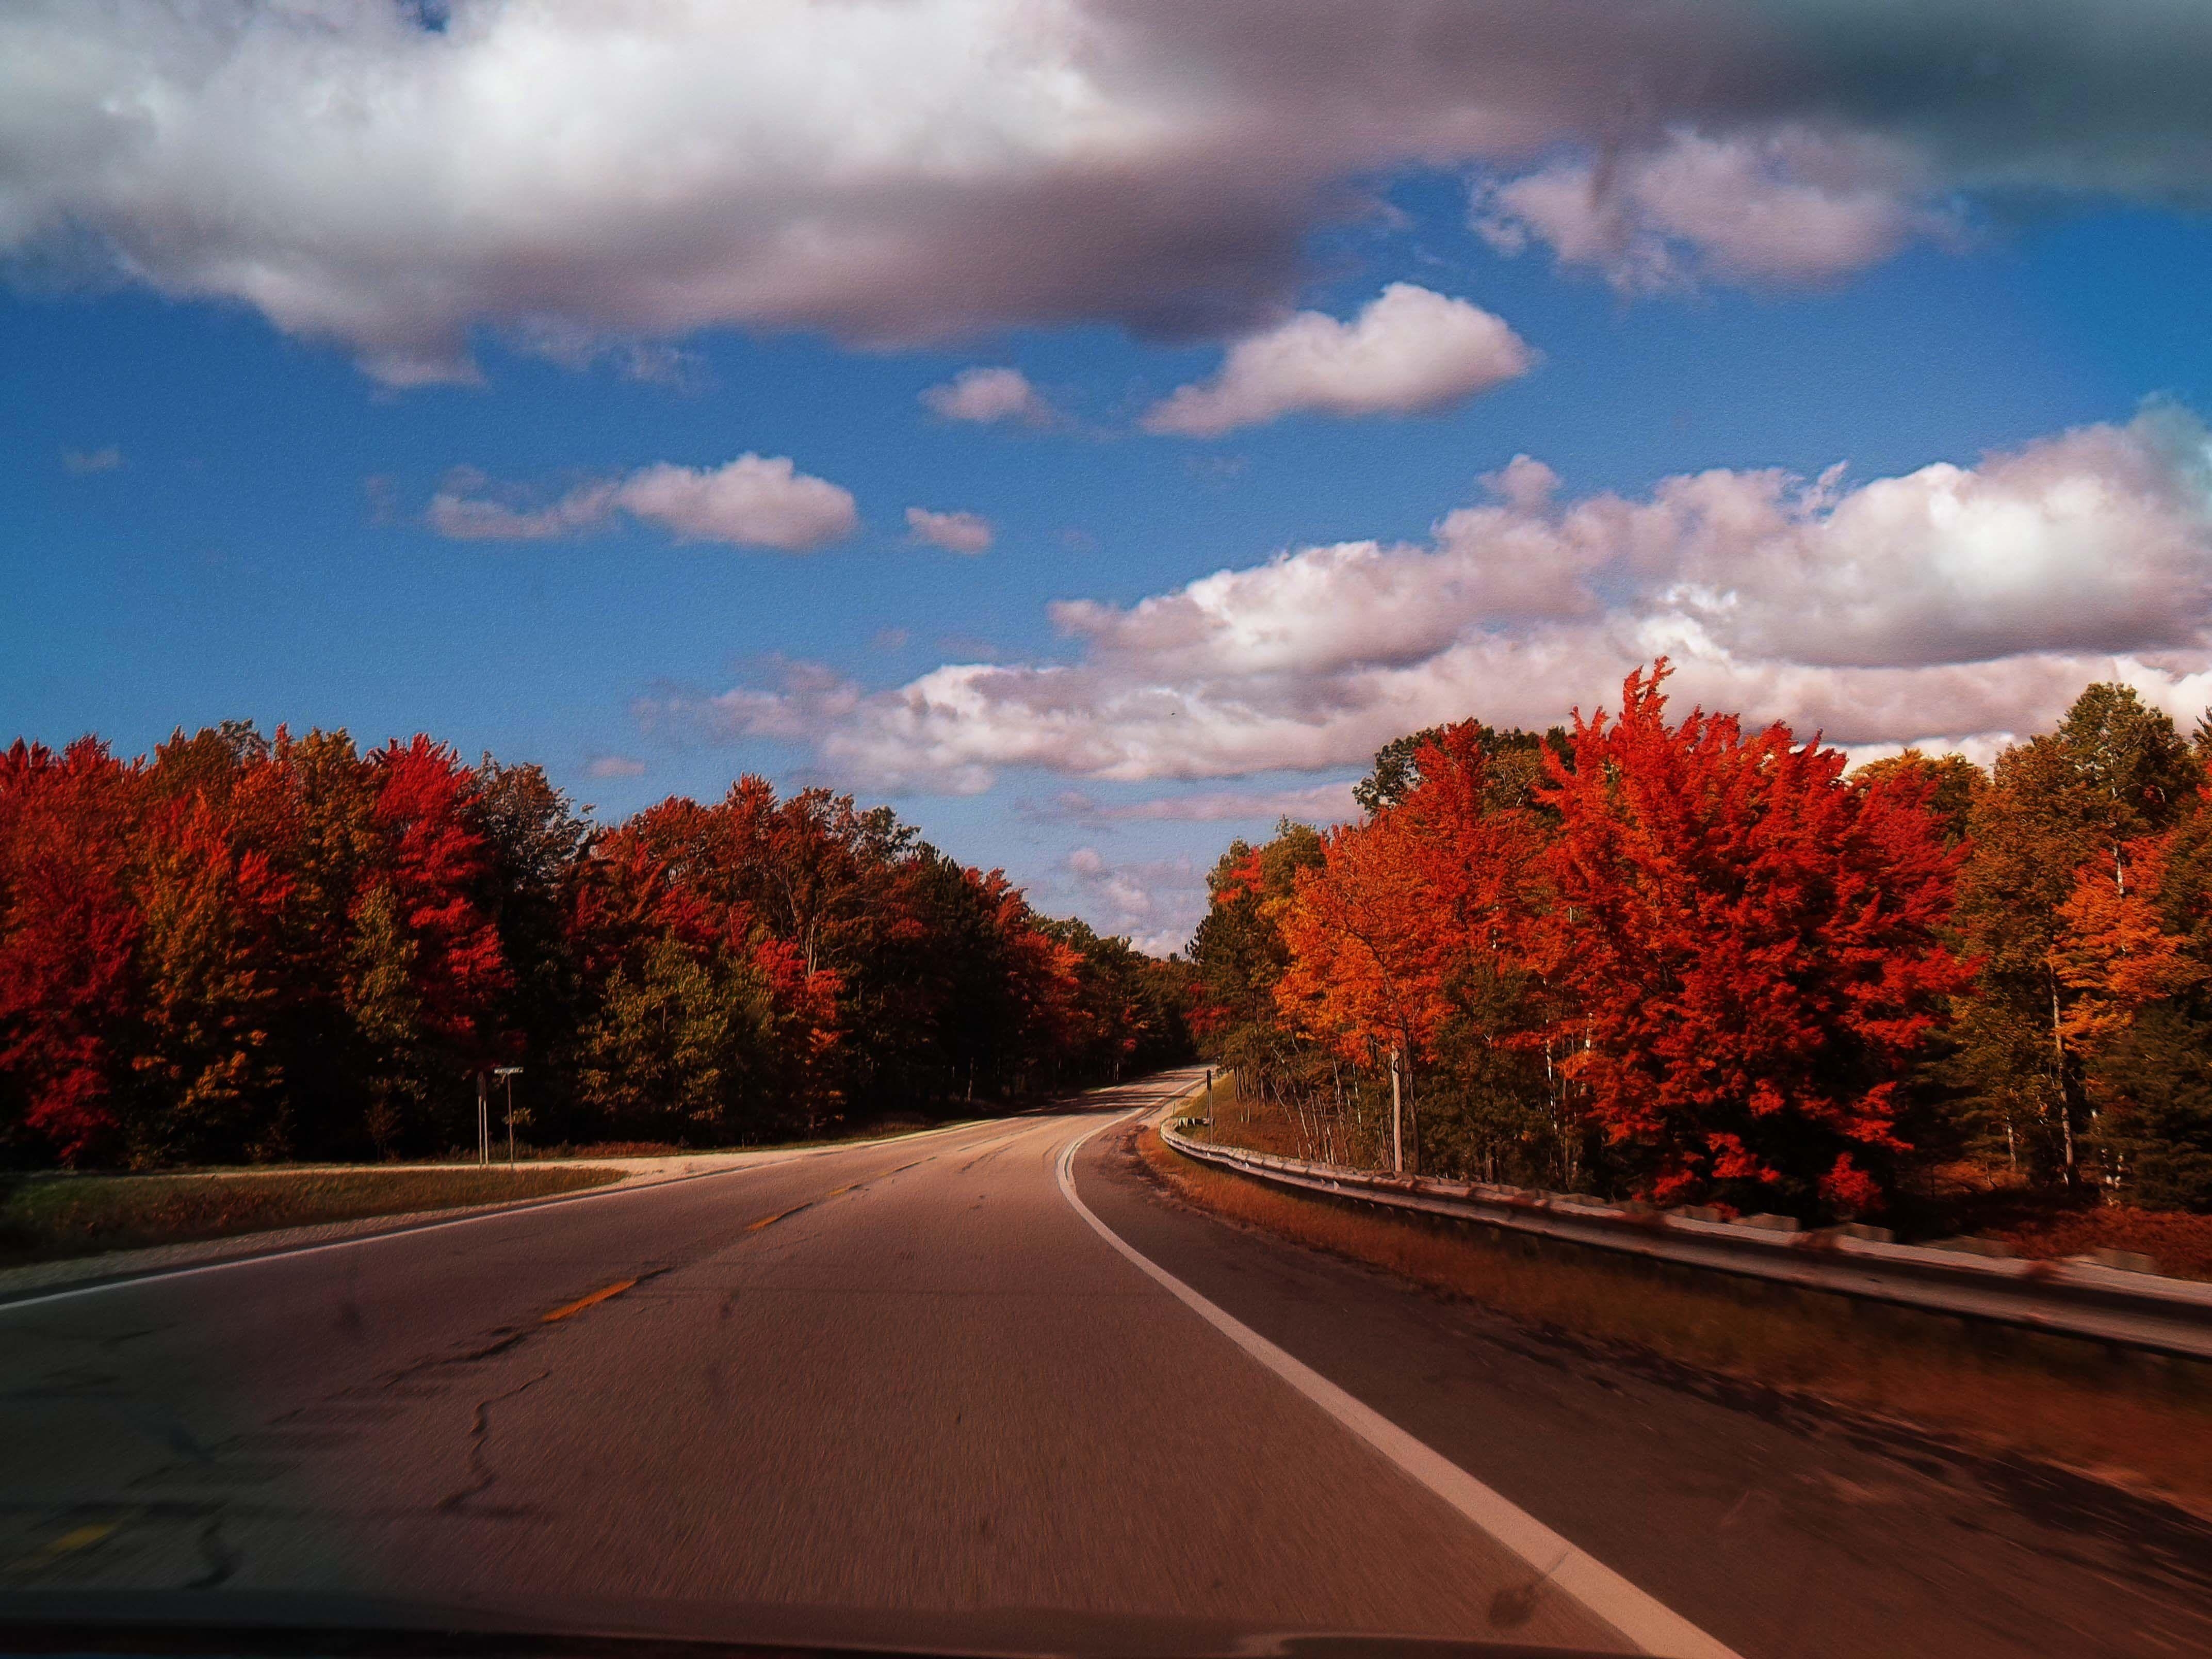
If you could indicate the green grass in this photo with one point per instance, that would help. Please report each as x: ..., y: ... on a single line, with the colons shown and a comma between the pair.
x: 52, y: 1217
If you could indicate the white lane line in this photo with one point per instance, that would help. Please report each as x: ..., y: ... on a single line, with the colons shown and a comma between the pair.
x: 418, y: 1229
x: 1654, y: 1627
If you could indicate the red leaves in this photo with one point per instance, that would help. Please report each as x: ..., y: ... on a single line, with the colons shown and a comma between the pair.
x: 435, y: 867
x: 1731, y: 950
x: 1751, y: 942
x: 68, y: 932
x: 253, y: 947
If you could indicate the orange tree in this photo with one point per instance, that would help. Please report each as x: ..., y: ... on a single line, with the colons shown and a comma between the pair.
x: 1409, y: 918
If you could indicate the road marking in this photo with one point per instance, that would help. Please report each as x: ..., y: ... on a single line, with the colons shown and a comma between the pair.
x: 770, y: 1220
x: 40, y: 1299
x: 584, y: 1302
x: 1654, y: 1627
x: 68, y: 1544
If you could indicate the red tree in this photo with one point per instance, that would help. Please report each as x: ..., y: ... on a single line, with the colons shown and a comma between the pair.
x: 435, y: 869
x: 1752, y: 944
x: 69, y: 930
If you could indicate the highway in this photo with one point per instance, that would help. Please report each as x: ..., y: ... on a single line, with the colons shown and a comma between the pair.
x: 988, y: 1388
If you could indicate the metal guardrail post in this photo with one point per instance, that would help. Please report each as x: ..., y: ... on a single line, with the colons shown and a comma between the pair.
x: 2085, y: 1300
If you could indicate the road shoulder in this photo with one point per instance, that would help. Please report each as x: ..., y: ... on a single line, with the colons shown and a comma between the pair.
x: 1759, y: 1518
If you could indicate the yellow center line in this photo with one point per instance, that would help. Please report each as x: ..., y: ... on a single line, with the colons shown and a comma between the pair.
x: 584, y: 1302
x: 834, y: 1192
x: 68, y: 1544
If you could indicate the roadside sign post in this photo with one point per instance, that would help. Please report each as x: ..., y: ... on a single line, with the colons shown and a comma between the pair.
x: 483, y: 1120
x: 509, y: 1072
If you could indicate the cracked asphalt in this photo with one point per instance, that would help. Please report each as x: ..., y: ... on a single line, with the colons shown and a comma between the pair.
x: 903, y: 1393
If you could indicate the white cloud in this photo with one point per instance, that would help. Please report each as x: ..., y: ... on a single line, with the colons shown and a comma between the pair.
x: 754, y: 501
x: 81, y: 462
x: 1781, y: 207
x: 955, y: 532
x: 894, y: 173
x: 1324, y: 803
x: 614, y: 766
x: 1156, y: 904
x: 1410, y: 351
x: 986, y: 396
x: 1950, y: 604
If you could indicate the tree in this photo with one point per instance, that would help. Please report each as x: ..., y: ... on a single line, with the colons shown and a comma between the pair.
x: 207, y: 1082
x: 1753, y: 946
x: 676, y: 1048
x: 1238, y: 955
x: 1406, y: 914
x: 1951, y: 783
x: 1513, y: 759
x: 69, y: 935
x: 2155, y: 1077
x: 2059, y: 810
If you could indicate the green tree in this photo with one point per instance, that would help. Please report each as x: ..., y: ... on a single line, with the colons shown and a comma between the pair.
x: 2156, y: 1080
x: 676, y: 1048
x: 2115, y: 771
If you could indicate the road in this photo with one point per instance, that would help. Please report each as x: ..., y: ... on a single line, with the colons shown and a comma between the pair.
x: 987, y: 1387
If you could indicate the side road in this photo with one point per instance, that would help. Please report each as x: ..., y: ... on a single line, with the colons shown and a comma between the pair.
x: 39, y: 1278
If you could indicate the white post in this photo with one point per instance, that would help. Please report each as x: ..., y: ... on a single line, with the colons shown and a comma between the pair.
x: 1397, y: 1119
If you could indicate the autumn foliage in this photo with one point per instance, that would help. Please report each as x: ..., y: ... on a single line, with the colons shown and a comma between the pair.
x: 242, y: 948
x: 1676, y: 960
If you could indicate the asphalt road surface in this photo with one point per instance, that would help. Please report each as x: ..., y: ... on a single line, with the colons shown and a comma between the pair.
x: 987, y: 1387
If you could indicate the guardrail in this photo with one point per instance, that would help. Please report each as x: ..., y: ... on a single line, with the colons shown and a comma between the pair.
x: 2074, y: 1298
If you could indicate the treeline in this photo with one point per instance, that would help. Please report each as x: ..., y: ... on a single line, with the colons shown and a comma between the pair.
x: 1687, y: 963
x: 250, y: 948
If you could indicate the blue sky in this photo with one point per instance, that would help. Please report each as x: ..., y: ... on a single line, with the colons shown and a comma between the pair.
x: 215, y: 511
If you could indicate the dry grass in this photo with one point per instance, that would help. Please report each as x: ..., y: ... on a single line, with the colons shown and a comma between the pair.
x: 2181, y: 1244
x: 2145, y: 1422
x: 49, y: 1218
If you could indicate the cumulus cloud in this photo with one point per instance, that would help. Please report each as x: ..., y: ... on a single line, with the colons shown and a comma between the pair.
x: 755, y: 501
x: 1324, y: 803
x: 1786, y: 206
x: 955, y: 532
x: 358, y: 174
x: 79, y: 463
x: 986, y: 396
x: 1409, y: 351
x: 1156, y: 903
x: 1949, y: 605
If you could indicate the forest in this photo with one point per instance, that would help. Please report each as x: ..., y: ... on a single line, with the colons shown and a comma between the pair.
x: 253, y: 949
x: 1673, y: 960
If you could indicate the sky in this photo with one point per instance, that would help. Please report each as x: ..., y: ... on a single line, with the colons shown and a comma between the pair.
x: 1096, y: 426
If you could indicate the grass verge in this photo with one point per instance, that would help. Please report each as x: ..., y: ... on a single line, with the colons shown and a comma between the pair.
x: 2141, y: 1422
x: 51, y: 1217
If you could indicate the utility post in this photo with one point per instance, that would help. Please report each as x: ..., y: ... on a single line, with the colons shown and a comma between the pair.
x: 509, y: 1072
x: 1397, y: 1119
x: 484, y: 1119
x: 1209, y: 1094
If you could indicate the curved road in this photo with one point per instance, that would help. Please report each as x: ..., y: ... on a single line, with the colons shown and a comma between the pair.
x: 984, y: 1388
